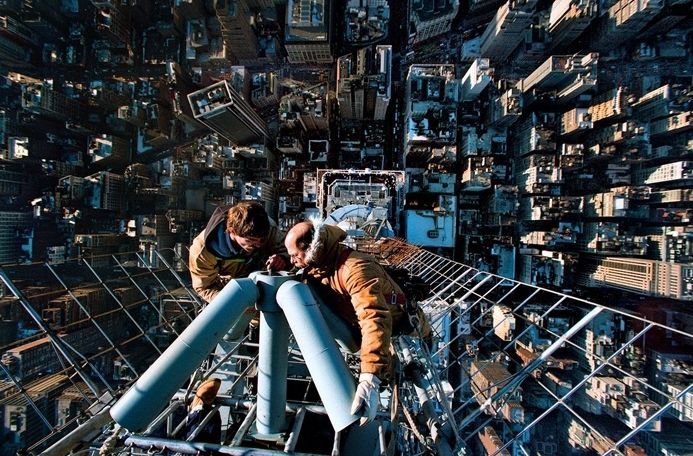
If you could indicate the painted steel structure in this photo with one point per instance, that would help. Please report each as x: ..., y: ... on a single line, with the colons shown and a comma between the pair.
x: 533, y: 368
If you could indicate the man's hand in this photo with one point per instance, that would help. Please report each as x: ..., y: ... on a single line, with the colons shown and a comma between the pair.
x: 276, y: 263
x: 223, y: 280
x: 365, y: 401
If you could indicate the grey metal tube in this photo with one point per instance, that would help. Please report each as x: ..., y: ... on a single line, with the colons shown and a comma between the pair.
x: 272, y: 366
x: 236, y: 402
x: 152, y: 391
x: 71, y: 440
x: 273, y: 360
x: 199, y: 447
x: 329, y: 371
x: 339, y: 329
x: 440, y: 430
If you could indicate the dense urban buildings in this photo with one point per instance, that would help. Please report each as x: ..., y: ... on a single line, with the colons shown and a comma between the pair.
x: 540, y: 144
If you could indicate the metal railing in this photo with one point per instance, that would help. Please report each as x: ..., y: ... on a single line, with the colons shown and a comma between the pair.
x: 510, y: 368
x: 525, y: 365
x: 78, y: 332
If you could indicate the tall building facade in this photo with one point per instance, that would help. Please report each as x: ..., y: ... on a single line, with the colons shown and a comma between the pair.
x: 506, y: 30
x: 12, y: 223
x: 307, y: 33
x: 476, y: 79
x: 623, y: 20
x: 364, y: 83
x: 639, y: 275
x: 432, y: 94
x: 222, y: 109
x: 16, y: 41
x: 568, y: 20
x: 430, y: 18
x: 430, y: 154
x: 40, y: 98
x: 236, y: 30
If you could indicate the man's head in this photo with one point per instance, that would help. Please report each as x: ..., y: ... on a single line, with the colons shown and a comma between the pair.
x: 298, y: 240
x: 248, y: 225
x: 206, y: 392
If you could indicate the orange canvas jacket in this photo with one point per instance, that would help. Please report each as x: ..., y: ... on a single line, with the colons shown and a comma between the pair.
x: 366, y: 296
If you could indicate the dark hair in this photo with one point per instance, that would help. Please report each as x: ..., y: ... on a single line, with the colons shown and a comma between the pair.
x: 248, y: 219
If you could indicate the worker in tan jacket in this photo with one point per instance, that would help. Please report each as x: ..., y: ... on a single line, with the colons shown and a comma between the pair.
x: 362, y: 294
x: 238, y: 240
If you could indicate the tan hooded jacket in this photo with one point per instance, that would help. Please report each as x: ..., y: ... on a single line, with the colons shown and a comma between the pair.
x: 210, y: 274
x: 366, y: 294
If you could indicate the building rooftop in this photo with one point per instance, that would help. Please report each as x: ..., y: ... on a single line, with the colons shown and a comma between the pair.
x: 365, y: 24
x: 307, y: 20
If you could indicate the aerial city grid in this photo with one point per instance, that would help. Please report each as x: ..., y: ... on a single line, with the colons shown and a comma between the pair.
x: 540, y: 146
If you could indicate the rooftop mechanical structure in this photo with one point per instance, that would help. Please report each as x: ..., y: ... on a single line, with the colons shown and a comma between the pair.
x: 121, y: 342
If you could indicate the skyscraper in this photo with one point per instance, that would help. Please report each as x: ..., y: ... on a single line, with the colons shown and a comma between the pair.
x: 307, y: 34
x: 644, y: 276
x: 623, y: 20
x: 11, y: 224
x: 504, y: 33
x: 364, y: 83
x: 236, y: 30
x: 432, y: 94
x: 431, y: 18
x: 476, y: 79
x: 222, y: 109
x: 568, y: 20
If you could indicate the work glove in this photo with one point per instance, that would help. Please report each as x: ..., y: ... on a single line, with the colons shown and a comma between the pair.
x: 108, y: 446
x: 365, y: 402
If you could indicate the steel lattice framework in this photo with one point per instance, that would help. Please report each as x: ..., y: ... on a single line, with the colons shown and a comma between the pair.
x: 510, y: 368
x: 488, y: 327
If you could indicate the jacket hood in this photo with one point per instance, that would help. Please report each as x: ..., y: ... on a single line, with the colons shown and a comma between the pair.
x: 218, y: 216
x: 323, y: 251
